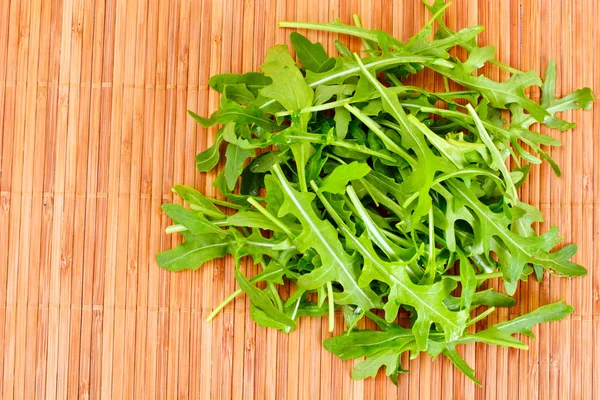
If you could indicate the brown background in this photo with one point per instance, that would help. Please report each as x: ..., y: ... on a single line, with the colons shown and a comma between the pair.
x: 94, y: 132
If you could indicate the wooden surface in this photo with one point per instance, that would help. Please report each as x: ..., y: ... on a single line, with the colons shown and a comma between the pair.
x: 93, y: 134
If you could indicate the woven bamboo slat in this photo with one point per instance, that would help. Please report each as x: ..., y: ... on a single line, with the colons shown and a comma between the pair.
x: 94, y: 133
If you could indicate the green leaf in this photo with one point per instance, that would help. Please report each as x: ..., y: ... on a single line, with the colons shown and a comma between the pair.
x: 236, y: 157
x: 469, y: 283
x: 253, y: 219
x: 520, y: 250
x: 288, y: 87
x: 230, y: 111
x: 357, y: 344
x: 260, y: 300
x: 205, y: 122
x: 578, y: 100
x: 339, y: 178
x: 498, y: 161
x: 253, y: 81
x: 239, y: 93
x: 195, y: 251
x: 209, y: 158
x: 380, y: 348
x: 461, y: 364
x: 312, y: 55
x: 231, y: 136
x: 524, y: 323
x: 198, y: 201
x: 342, y: 120
x: 370, y: 366
x: 193, y: 221
x: 426, y: 299
x: 320, y: 235
x: 323, y: 93
x: 302, y: 151
x: 487, y: 297
x: 500, y: 94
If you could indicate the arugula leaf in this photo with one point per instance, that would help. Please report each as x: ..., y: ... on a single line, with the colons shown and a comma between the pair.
x: 236, y: 157
x: 253, y: 219
x: 229, y: 111
x: 195, y: 251
x: 262, y: 302
x: 198, y: 201
x: 193, y: 221
x: 209, y: 158
x: 312, y: 55
x: 340, y: 177
x: 521, y: 250
x: 288, y: 87
x: 253, y: 81
x: 320, y: 235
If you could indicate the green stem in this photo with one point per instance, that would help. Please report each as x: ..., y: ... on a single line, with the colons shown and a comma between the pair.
x: 275, y: 294
x: 481, y: 316
x: 393, y: 79
x: 340, y: 28
x: 295, y: 312
x: 479, y: 277
x: 331, y: 306
x: 320, y: 107
x: 485, y: 138
x: 431, y: 260
x: 398, y: 239
x: 362, y: 149
x: 224, y: 303
x: 267, y: 214
x: 376, y: 318
x: 376, y: 128
x: 226, y: 204
x: 233, y: 295
x: 374, y: 232
x: 358, y: 24
x: 206, y: 212
x: 175, y: 228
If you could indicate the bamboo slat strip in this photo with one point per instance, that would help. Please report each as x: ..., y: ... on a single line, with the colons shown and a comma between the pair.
x: 94, y: 133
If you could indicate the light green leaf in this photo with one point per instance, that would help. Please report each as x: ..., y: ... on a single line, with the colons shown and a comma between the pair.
x: 193, y: 221
x: 195, y: 251
x: 236, y: 157
x: 339, y: 178
x: 312, y: 55
x: 209, y: 158
x: 288, y: 87
x: 198, y: 201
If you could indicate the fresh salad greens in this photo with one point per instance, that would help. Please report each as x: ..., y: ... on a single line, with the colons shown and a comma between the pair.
x: 373, y: 196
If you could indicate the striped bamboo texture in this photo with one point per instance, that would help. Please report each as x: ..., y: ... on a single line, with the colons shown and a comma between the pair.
x: 93, y: 134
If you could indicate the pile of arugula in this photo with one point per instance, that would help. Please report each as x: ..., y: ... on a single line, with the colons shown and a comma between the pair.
x: 378, y: 195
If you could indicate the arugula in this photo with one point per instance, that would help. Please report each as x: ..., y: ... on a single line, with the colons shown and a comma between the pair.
x: 374, y: 196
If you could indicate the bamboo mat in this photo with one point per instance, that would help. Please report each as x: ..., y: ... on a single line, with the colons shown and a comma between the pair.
x: 93, y: 134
